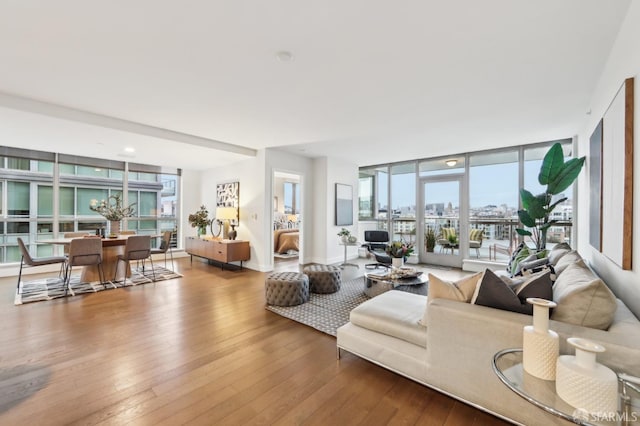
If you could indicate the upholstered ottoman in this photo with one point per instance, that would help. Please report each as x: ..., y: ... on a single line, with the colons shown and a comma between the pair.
x: 286, y: 289
x: 323, y: 278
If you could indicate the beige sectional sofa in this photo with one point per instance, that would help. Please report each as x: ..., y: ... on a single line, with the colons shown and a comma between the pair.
x: 453, y: 352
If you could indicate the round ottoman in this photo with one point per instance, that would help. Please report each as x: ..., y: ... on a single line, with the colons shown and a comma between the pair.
x: 323, y: 278
x: 286, y: 289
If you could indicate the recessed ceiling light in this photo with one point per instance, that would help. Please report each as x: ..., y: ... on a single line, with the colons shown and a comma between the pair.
x: 129, y: 149
x: 451, y: 163
x: 284, y: 56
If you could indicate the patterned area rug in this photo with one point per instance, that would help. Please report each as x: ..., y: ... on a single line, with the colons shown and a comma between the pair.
x: 327, y: 312
x: 53, y: 288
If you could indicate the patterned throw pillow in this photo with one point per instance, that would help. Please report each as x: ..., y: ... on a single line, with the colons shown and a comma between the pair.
x: 476, y: 235
x: 513, y: 256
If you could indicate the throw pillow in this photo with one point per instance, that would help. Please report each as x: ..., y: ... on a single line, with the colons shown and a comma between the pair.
x: 530, y: 267
x: 557, y: 252
x: 523, y: 254
x: 566, y: 260
x: 461, y: 290
x: 513, y: 256
x: 495, y: 293
x: 583, y: 298
x: 476, y: 235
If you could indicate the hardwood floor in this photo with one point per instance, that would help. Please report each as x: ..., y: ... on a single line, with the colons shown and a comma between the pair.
x: 197, y: 350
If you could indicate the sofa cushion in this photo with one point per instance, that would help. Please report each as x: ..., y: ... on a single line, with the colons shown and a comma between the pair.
x: 461, y: 290
x: 566, y: 260
x: 557, y: 252
x: 494, y: 292
x: 582, y: 298
x: 394, y: 313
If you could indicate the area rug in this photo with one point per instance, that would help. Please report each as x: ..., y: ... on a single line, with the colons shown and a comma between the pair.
x: 328, y: 312
x: 53, y: 288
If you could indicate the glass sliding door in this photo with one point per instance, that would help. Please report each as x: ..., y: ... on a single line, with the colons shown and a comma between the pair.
x: 441, y: 210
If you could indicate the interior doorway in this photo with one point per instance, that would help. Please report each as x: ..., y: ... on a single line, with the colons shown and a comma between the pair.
x: 287, y: 218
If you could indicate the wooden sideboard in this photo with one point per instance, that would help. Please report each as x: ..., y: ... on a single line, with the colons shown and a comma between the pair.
x: 221, y: 251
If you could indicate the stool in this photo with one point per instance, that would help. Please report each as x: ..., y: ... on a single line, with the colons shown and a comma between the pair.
x: 286, y: 289
x: 323, y: 278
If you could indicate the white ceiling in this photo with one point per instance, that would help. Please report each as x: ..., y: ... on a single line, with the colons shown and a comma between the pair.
x: 373, y: 81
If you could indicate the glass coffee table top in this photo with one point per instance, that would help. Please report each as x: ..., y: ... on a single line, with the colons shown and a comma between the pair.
x: 379, y: 280
x: 507, y: 364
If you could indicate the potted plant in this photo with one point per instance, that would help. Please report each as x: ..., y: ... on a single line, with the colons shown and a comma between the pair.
x: 200, y: 220
x: 430, y: 240
x: 558, y: 175
x: 399, y: 251
x: 344, y: 235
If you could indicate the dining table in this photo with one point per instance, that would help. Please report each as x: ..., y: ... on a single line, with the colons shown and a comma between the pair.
x: 111, y: 248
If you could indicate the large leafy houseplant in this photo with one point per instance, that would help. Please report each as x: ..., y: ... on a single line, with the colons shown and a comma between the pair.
x: 557, y: 175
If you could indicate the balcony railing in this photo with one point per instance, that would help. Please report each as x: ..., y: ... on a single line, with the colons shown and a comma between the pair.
x: 499, y: 238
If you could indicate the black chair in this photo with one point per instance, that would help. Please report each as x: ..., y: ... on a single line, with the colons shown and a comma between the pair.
x: 376, y: 243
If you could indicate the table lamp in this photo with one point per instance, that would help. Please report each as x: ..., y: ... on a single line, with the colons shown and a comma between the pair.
x: 227, y: 215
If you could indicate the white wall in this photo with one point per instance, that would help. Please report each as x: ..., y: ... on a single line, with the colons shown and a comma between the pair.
x: 191, y: 201
x: 250, y: 173
x: 328, y: 172
x: 623, y: 62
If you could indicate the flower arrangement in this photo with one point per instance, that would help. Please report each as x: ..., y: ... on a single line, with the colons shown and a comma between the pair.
x: 399, y: 249
x: 112, y: 211
x: 200, y: 219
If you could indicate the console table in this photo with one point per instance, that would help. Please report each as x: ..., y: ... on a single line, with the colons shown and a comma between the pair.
x: 221, y: 251
x: 507, y: 364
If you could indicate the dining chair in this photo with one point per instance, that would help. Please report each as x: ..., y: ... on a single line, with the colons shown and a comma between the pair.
x: 72, y: 235
x: 127, y: 232
x: 28, y: 260
x: 85, y: 251
x: 165, y: 247
x: 138, y: 247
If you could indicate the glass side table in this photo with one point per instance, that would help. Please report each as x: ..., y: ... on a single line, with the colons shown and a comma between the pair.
x: 507, y: 364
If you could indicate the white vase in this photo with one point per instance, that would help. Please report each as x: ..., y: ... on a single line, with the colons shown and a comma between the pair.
x: 114, y: 227
x: 397, y: 262
x: 585, y: 384
x: 344, y: 239
x: 540, y: 346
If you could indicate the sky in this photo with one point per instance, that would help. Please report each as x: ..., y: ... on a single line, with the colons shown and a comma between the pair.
x: 495, y: 184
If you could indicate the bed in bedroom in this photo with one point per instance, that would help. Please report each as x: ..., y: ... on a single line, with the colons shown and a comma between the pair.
x: 285, y: 240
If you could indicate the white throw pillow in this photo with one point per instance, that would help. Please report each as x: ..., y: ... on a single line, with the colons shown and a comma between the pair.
x: 460, y: 290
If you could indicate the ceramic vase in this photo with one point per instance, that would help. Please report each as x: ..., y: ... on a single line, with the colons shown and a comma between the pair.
x: 397, y: 262
x: 585, y: 384
x: 344, y: 239
x: 114, y: 227
x: 540, y: 346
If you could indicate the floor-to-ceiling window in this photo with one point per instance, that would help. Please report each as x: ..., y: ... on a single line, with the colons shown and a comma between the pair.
x: 32, y: 182
x: 484, y: 184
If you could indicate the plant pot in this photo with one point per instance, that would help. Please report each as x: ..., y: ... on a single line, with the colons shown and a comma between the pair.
x: 344, y: 239
x: 397, y: 262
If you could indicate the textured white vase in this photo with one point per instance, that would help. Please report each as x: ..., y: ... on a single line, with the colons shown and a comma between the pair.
x: 585, y: 384
x: 397, y: 262
x: 540, y: 346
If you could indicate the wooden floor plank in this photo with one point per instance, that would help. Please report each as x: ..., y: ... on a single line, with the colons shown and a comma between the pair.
x: 201, y: 349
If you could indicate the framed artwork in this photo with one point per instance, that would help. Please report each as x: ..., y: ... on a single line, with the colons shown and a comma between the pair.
x: 595, y: 187
x: 344, y: 204
x: 617, y: 178
x: 228, y: 195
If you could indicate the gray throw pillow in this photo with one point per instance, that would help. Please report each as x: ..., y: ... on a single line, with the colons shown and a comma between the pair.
x: 496, y: 293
